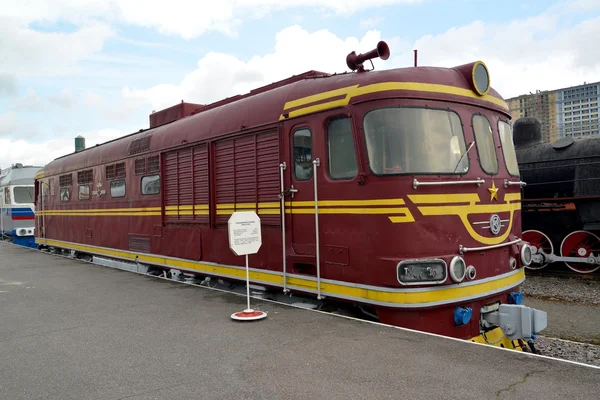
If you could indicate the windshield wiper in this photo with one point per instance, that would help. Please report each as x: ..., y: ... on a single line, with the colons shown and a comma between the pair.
x: 461, y: 157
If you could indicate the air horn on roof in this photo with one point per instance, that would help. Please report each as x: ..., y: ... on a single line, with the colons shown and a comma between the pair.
x: 355, y: 62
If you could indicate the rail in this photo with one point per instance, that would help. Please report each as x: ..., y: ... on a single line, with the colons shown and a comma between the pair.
x: 317, y: 163
x: 463, y: 249
x: 283, y: 244
x: 478, y: 182
x: 508, y: 183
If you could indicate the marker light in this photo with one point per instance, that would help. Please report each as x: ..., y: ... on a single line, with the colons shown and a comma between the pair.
x: 471, y: 273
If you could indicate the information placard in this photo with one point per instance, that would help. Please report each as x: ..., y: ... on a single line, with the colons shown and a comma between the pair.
x: 245, y: 238
x: 244, y: 233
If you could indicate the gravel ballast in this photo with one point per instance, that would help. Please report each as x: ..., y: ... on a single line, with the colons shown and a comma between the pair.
x: 573, y: 307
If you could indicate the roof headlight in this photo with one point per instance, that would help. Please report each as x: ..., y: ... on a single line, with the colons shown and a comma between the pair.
x: 481, y: 78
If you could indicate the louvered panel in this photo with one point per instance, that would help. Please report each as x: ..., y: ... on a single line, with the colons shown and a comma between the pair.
x: 224, y: 176
x: 267, y: 155
x: 201, y: 184
x: 185, y: 181
x: 245, y: 171
x: 170, y: 185
x: 247, y: 176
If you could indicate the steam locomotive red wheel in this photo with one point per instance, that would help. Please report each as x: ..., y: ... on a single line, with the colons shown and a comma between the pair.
x: 541, y: 242
x: 581, y: 244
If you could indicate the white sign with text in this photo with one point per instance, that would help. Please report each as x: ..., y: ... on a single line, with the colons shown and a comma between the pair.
x: 244, y: 233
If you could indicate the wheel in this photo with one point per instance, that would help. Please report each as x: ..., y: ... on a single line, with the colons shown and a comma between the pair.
x: 581, y: 244
x: 542, y: 243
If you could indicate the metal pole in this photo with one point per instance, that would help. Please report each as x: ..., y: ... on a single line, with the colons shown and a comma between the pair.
x: 2, y: 214
x: 415, y: 50
x: 281, y: 169
x: 43, y: 213
x: 247, y: 283
x: 316, y: 163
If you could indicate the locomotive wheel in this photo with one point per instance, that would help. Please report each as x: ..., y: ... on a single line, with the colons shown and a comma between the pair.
x: 541, y: 242
x: 581, y: 244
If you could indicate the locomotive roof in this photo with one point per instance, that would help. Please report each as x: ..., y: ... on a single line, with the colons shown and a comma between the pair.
x: 309, y: 92
x: 22, y: 175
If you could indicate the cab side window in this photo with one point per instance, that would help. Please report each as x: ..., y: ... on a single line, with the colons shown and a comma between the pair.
x: 485, y: 144
x: 340, y: 148
x: 303, y: 168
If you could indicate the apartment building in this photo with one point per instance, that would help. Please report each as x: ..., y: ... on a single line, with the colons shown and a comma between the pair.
x: 571, y: 111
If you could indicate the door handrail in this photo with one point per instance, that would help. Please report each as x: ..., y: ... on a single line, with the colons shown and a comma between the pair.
x: 282, y: 197
x: 317, y: 163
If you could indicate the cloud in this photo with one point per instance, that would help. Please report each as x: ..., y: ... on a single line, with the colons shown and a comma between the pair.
x: 185, y: 18
x: 222, y: 75
x: 63, y: 99
x: 8, y: 123
x: 31, y: 102
x: 8, y: 84
x: 370, y: 22
x: 27, y: 52
x: 540, y: 52
x: 40, y: 153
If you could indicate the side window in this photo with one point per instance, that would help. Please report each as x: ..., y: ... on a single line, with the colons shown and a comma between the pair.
x: 64, y: 194
x: 485, y: 144
x: 117, y: 188
x: 303, y: 168
x: 340, y: 146
x: 508, y: 148
x: 151, y: 184
x: 84, y: 192
x: 7, y: 195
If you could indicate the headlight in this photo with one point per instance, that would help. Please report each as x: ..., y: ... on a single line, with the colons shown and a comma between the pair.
x: 526, y: 254
x: 458, y: 269
x: 413, y: 272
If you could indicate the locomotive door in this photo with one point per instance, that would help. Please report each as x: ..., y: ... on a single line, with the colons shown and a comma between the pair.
x: 39, y: 210
x: 300, y: 185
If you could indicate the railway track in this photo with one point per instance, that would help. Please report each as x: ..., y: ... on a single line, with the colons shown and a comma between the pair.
x: 561, y: 272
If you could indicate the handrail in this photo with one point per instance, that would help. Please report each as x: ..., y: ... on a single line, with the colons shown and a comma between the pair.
x: 508, y: 183
x: 316, y: 163
x: 281, y: 169
x: 416, y: 183
x: 463, y: 249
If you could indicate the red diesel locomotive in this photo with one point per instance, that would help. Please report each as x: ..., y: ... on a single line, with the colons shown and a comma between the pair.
x: 396, y: 191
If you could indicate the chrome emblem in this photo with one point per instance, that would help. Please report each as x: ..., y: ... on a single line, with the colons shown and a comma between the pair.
x: 495, y: 224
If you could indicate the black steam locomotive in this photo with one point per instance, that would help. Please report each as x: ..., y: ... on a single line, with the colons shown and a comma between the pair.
x: 561, y: 199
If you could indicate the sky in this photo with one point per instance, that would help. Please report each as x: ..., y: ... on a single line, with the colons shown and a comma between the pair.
x: 98, y: 68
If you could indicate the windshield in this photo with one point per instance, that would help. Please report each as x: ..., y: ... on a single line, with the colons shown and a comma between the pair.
x: 508, y: 148
x: 23, y: 194
x: 415, y: 140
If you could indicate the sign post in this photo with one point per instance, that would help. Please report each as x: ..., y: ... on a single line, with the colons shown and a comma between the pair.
x: 244, y: 239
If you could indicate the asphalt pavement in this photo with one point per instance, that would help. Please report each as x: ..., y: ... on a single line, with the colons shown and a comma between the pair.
x: 73, y: 330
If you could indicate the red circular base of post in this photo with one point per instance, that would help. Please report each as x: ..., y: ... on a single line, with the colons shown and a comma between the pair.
x: 248, y: 315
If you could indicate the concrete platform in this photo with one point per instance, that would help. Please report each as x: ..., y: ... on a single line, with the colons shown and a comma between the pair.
x: 71, y: 330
